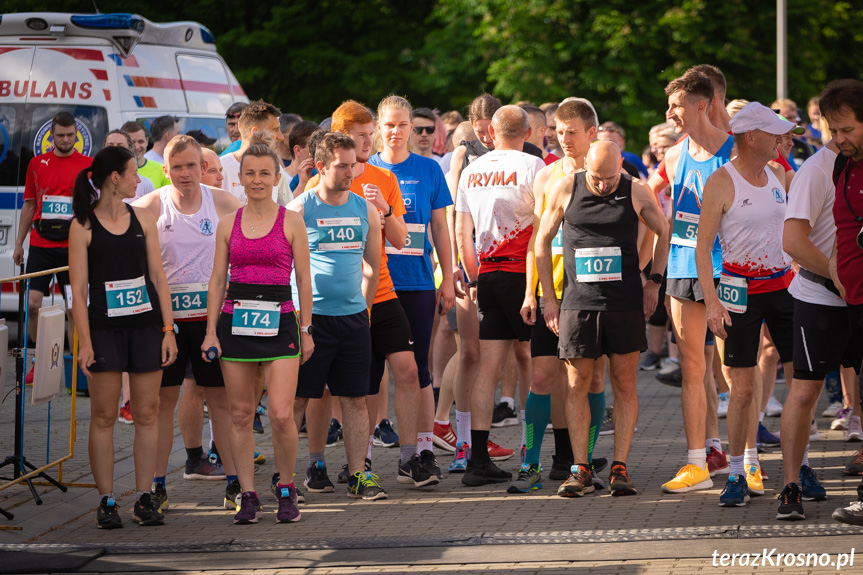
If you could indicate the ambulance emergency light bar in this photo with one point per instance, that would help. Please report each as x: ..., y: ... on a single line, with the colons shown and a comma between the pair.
x: 125, y: 31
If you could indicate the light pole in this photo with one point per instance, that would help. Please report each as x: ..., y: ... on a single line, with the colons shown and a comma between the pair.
x: 781, y: 50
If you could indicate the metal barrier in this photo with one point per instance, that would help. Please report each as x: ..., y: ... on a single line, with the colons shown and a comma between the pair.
x: 18, y: 461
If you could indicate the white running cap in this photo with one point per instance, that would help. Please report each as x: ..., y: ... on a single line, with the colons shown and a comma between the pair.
x: 755, y: 116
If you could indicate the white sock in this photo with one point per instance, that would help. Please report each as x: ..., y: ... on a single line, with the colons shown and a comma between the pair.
x: 369, y: 450
x: 462, y: 424
x: 750, y: 457
x: 806, y: 457
x: 509, y: 401
x: 713, y: 442
x: 761, y: 417
x: 736, y: 464
x: 444, y: 423
x: 211, y: 433
x: 697, y: 457
x: 425, y: 442
x: 524, y: 429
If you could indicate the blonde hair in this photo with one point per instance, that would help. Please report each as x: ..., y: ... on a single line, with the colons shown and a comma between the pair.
x: 735, y: 106
x: 394, y: 102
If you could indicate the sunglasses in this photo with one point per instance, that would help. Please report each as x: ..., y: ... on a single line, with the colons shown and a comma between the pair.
x: 420, y: 129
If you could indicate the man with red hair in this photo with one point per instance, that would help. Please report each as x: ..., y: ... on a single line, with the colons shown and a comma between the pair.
x: 391, y: 334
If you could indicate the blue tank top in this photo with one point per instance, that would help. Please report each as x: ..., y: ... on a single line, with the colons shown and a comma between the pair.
x: 337, y: 238
x: 689, y: 179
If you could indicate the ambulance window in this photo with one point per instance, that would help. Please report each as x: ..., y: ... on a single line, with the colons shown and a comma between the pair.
x: 11, y: 168
x: 92, y: 127
x: 210, y: 132
x: 205, y: 84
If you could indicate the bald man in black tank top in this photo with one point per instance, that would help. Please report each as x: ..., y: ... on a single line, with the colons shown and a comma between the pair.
x: 604, y: 305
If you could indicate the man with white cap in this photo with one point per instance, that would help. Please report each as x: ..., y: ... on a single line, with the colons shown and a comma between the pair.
x: 744, y: 201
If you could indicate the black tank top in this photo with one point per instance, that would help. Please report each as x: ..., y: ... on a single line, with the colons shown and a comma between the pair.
x: 592, y: 221
x: 112, y: 258
x: 474, y: 149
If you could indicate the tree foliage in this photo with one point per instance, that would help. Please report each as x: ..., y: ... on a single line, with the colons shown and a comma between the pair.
x: 308, y: 56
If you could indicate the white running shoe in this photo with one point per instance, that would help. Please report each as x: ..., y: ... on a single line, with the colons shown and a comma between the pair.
x: 813, y: 431
x: 855, y: 432
x: 774, y: 408
x: 722, y: 411
x: 832, y: 409
x: 841, y: 421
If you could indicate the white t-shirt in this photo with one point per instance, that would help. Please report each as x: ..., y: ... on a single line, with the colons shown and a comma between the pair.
x: 152, y: 155
x: 444, y: 162
x: 811, y: 198
x: 231, y: 170
x: 497, y: 190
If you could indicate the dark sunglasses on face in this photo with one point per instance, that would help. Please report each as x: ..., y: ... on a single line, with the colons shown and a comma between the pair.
x: 420, y: 129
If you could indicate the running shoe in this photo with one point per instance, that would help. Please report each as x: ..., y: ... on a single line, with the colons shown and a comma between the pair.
x: 503, y: 415
x: 498, y: 453
x: 780, y: 374
x: 257, y: 425
x: 125, y: 415
x: 811, y: 489
x: 478, y: 474
x: 444, y: 437
x: 717, y: 463
x: 529, y: 479
x: 460, y: 458
x: 833, y: 409
x: 412, y: 472
x: 736, y: 492
x: 722, y: 410
x: 203, y: 469
x: 619, y: 482
x: 841, y: 420
x: 523, y: 454
x: 159, y: 496
x: 649, y: 362
x: 855, y: 432
x: 813, y: 432
x: 608, y: 422
x: 288, y: 511
x: 774, y: 408
x: 578, y: 484
x: 594, y: 478
x: 689, y: 478
x: 28, y: 379
x: 855, y: 467
x: 334, y: 435
x: 250, y: 509
x: 260, y: 458
x: 364, y: 484
x: 344, y: 474
x: 559, y: 468
x: 145, y: 513
x: 761, y: 467
x: 598, y: 463
x: 766, y: 438
x: 385, y: 435
x: 790, y: 504
x: 674, y: 377
x: 754, y: 480
x: 429, y: 463
x: 232, y: 496
x: 274, y: 483
x: 317, y: 480
x: 852, y: 514
x: 107, y: 515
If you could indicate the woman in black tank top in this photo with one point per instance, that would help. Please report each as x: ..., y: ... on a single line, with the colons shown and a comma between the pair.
x: 121, y: 306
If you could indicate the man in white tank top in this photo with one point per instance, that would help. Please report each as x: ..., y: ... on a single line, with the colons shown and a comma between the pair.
x: 187, y: 214
x: 744, y: 201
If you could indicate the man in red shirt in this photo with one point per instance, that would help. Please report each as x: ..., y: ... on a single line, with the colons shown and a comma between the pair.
x: 842, y: 105
x: 48, y: 209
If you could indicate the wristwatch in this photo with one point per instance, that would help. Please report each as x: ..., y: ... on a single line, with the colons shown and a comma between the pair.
x: 655, y: 278
x: 389, y: 213
x: 308, y: 329
x: 172, y: 327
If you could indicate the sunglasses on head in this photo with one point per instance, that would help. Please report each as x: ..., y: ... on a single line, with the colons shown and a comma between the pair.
x: 420, y: 129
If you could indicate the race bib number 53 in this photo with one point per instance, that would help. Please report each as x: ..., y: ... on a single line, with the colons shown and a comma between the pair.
x: 598, y: 264
x: 685, y: 230
x: 127, y: 297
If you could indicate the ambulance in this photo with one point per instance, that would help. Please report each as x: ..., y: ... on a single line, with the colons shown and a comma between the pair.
x: 106, y: 69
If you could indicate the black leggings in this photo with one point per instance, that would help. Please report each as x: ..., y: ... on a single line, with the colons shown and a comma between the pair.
x: 419, y: 306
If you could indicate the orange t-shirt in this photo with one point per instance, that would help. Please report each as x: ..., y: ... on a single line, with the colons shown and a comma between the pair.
x: 389, y: 185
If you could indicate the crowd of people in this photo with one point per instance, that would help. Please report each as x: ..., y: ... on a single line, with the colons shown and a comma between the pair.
x: 525, y: 245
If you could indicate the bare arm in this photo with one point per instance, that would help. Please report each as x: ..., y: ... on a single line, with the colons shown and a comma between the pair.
x: 160, y: 282
x: 796, y: 243
x: 548, y: 225
x: 717, y: 197
x: 452, y: 178
x: 440, y: 237
x: 528, y: 307
x: 648, y: 210
x: 834, y: 271
x: 218, y: 283
x: 25, y: 222
x: 79, y: 241
x: 372, y: 257
x: 295, y: 232
x: 466, y: 247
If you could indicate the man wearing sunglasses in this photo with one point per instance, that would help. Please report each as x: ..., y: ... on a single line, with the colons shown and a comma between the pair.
x: 423, y: 133
x: 842, y: 105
